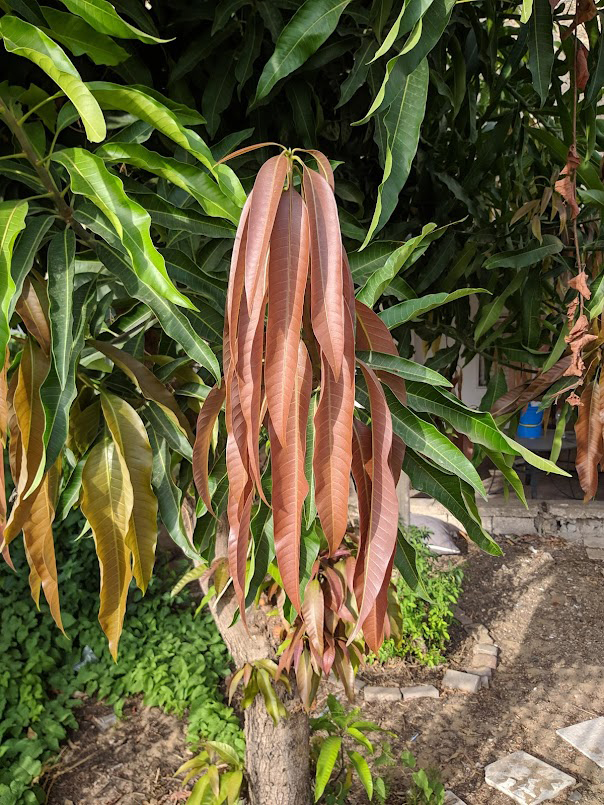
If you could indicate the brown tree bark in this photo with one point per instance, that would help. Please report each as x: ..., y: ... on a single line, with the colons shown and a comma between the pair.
x: 277, y: 757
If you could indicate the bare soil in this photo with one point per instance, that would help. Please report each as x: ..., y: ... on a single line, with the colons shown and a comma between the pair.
x: 543, y: 605
x: 130, y: 762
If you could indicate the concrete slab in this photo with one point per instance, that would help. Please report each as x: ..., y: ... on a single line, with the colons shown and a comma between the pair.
x: 588, y: 738
x: 452, y: 799
x: 526, y: 779
x: 375, y: 693
x: 420, y: 692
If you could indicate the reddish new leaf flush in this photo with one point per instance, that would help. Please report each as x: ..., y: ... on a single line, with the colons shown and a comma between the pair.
x: 290, y: 329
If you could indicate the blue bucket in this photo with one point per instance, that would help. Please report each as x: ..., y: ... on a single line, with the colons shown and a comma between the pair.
x: 531, y: 422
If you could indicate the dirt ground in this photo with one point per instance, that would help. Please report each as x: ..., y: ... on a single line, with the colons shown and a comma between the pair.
x: 129, y: 762
x: 542, y: 603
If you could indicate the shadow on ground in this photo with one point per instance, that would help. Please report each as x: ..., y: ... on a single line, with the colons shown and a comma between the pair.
x: 543, y: 604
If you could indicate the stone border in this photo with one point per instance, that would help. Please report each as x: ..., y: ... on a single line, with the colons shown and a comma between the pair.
x: 478, y: 675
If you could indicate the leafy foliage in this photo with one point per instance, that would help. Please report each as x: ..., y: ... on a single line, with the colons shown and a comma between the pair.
x: 174, y: 660
x: 154, y: 209
x: 420, y: 628
x: 337, y: 764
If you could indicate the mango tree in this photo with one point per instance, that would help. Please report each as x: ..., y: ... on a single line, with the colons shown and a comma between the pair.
x: 182, y: 349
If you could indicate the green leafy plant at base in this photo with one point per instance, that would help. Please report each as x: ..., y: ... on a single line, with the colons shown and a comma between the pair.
x: 220, y: 772
x: 426, y: 786
x: 422, y: 627
x: 338, y: 764
x: 174, y: 660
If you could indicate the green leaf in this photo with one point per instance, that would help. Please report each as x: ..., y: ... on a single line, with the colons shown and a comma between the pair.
x: 364, y: 264
x: 188, y: 177
x: 57, y: 398
x: 304, y: 34
x: 409, y: 370
x: 61, y: 272
x: 587, y: 171
x: 30, y: 42
x: 169, y: 496
x: 508, y: 472
x: 528, y: 256
x: 358, y: 75
x: 91, y: 179
x: 541, y: 47
x: 403, y: 122
x: 478, y: 426
x: 449, y: 490
x: 330, y: 749
x: 176, y: 219
x: 406, y: 564
x: 25, y: 252
x: 218, y: 91
x: 527, y: 10
x: 424, y: 438
x: 172, y: 320
x: 396, y: 262
x: 82, y: 39
x: 12, y: 221
x: 103, y: 17
x: 166, y: 426
x: 412, y: 308
x: 363, y: 771
x: 491, y: 312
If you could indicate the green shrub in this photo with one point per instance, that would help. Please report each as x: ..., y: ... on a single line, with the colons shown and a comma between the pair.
x: 175, y: 660
x: 423, y: 628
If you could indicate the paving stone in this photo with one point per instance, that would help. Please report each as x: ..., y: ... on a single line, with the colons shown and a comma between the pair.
x: 375, y: 693
x: 479, y: 632
x: 479, y: 659
x: 484, y: 677
x: 588, y: 738
x: 459, y: 680
x: 452, y: 799
x: 481, y: 670
x: 359, y: 684
x: 487, y: 648
x: 595, y: 554
x: 420, y: 692
x: 526, y: 779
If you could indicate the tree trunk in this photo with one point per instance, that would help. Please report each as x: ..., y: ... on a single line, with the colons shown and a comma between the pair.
x: 277, y: 758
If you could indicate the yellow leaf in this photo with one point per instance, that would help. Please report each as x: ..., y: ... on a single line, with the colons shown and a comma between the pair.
x: 30, y: 422
x: 39, y: 543
x: 31, y: 307
x: 107, y: 500
x: 35, y: 582
x: 131, y: 438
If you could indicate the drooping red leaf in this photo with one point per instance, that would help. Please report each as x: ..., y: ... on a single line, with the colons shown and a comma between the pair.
x: 361, y: 472
x: 324, y: 166
x: 383, y: 522
x: 372, y: 334
x: 240, y: 151
x: 235, y: 288
x: 287, y: 274
x: 332, y: 459
x: 249, y: 369
x: 375, y: 623
x: 590, y: 448
x: 290, y: 486
x: 326, y: 302
x: 313, y: 608
x: 203, y: 437
x: 397, y: 455
x: 240, y: 489
x: 266, y: 195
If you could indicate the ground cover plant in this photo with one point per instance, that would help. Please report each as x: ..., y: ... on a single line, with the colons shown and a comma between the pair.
x: 174, y: 660
x: 420, y: 626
